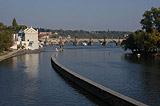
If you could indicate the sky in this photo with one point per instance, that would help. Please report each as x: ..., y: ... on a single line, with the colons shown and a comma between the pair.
x: 91, y: 15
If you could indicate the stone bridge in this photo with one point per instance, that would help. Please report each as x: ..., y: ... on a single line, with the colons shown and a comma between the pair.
x: 94, y: 40
x: 77, y: 40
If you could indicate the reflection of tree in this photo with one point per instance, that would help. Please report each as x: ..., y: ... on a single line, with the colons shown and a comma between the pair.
x: 143, y: 59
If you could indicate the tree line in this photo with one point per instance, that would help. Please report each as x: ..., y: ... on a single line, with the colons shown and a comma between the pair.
x: 146, y: 40
x: 6, y: 37
x: 87, y: 34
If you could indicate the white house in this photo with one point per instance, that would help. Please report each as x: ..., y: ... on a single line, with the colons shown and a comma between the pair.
x: 30, y: 34
x: 28, y: 38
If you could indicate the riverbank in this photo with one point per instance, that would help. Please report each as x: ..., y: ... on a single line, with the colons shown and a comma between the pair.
x: 20, y: 52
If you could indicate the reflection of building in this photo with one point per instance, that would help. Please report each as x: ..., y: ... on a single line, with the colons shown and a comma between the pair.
x: 31, y: 62
x: 45, y: 34
x: 27, y: 38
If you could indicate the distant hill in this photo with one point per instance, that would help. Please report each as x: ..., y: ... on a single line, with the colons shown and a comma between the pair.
x: 87, y: 34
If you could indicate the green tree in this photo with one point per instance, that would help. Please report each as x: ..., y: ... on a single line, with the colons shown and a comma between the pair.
x: 14, y: 25
x: 2, y: 27
x: 22, y: 26
x: 142, y: 42
x: 131, y: 42
x: 146, y: 40
x: 151, y: 20
x: 6, y: 39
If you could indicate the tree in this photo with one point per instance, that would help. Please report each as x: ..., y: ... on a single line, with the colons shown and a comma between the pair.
x: 21, y: 27
x: 146, y: 40
x: 2, y: 27
x: 6, y: 39
x: 14, y: 25
x: 142, y: 42
x: 131, y: 42
x: 151, y: 20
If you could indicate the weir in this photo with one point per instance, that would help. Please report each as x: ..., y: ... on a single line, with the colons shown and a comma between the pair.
x: 107, y: 95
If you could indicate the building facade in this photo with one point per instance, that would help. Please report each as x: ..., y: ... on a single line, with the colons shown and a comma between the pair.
x: 30, y: 34
x: 27, y: 39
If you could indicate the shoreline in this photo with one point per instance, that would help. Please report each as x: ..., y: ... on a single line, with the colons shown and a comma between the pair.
x: 20, y: 52
x: 156, y: 55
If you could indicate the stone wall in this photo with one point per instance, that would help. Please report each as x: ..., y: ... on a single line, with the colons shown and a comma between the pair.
x: 107, y: 95
x: 21, y: 52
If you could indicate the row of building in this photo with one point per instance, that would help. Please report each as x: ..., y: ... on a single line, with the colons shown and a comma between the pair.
x: 45, y: 34
x: 29, y: 39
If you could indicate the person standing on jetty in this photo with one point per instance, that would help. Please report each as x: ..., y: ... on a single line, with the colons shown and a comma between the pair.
x: 61, y: 43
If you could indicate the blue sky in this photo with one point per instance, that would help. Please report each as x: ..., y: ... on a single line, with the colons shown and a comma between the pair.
x: 77, y: 14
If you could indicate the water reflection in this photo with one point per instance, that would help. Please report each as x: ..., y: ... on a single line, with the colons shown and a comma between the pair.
x: 19, y: 79
x: 29, y: 80
x: 31, y: 61
x: 149, y: 72
x: 10, y: 63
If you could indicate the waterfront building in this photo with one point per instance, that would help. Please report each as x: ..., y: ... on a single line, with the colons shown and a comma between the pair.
x: 54, y: 42
x: 31, y: 34
x: 27, y: 38
x: 21, y: 35
x: 69, y: 37
x: 55, y: 33
x: 15, y: 36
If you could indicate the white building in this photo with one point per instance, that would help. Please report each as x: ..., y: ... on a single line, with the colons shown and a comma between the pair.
x: 69, y: 37
x: 30, y: 34
x: 28, y: 39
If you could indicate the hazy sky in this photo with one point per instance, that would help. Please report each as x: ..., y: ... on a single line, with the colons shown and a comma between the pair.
x: 77, y: 14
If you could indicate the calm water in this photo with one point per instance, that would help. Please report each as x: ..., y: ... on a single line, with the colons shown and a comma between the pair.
x: 138, y: 78
x: 30, y: 80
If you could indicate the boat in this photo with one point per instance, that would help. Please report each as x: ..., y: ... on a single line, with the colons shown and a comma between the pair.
x: 84, y: 44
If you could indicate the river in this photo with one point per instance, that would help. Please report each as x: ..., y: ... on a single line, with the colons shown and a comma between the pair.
x: 30, y: 80
x: 135, y: 77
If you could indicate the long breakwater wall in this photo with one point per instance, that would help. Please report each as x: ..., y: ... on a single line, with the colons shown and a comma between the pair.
x: 107, y: 95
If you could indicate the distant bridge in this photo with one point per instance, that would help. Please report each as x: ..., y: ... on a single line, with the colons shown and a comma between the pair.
x: 95, y: 40
x: 117, y: 41
x: 78, y: 40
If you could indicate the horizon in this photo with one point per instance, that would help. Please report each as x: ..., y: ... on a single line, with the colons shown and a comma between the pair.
x: 81, y: 29
x: 88, y: 15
